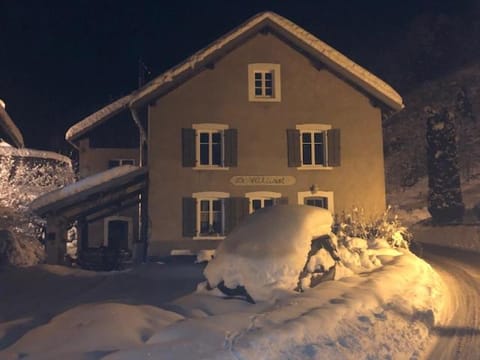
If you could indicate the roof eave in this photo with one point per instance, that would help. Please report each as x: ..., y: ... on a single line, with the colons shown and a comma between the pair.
x: 7, y: 124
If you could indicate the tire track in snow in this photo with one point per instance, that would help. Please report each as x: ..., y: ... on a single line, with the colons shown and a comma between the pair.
x: 458, y: 337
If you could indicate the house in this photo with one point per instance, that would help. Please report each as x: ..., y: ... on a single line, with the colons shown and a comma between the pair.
x: 266, y: 114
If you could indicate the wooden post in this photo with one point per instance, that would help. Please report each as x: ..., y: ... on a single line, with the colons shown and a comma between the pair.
x: 55, y: 245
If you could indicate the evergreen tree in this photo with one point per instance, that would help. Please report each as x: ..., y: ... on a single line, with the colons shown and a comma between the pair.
x: 467, y: 133
x: 445, y: 202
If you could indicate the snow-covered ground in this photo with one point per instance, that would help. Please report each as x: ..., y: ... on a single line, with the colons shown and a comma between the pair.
x: 153, y: 311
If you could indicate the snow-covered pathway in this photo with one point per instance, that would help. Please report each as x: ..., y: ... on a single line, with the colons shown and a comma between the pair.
x: 458, y: 334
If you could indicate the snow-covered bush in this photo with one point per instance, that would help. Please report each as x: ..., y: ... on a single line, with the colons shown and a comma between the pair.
x: 24, y: 175
x: 386, y: 227
x: 19, y: 239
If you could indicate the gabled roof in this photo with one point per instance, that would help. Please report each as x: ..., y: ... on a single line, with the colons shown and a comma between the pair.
x: 9, y: 127
x: 289, y: 30
x: 97, y: 118
x: 333, y: 59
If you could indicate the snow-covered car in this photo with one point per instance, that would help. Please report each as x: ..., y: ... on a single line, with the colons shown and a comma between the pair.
x: 276, y: 249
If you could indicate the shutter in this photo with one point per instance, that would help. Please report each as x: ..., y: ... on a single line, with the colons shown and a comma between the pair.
x: 188, y: 148
x: 281, y: 201
x: 333, y: 143
x: 231, y: 145
x: 236, y: 209
x: 189, y: 211
x: 293, y: 148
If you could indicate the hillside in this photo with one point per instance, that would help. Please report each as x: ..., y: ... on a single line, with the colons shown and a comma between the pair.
x: 404, y: 133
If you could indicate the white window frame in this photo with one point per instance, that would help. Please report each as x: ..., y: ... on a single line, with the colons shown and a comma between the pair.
x: 263, y: 68
x: 313, y: 128
x: 209, y: 128
x: 260, y: 195
x: 121, y: 218
x: 208, y: 195
x: 302, y: 195
x: 122, y: 160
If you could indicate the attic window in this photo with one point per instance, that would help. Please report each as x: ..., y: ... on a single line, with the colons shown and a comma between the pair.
x: 264, y: 82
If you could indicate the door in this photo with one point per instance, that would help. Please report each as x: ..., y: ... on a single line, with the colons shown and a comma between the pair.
x: 117, y: 234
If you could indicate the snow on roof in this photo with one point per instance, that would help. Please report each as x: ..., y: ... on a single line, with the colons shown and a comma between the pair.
x: 7, y: 125
x: 97, y: 118
x: 325, y: 53
x: 88, y: 183
x: 32, y: 153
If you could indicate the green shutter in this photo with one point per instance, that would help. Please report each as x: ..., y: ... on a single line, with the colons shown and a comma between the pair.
x: 236, y: 209
x: 188, y: 148
x: 189, y: 211
x: 333, y: 143
x: 293, y: 148
x: 231, y: 146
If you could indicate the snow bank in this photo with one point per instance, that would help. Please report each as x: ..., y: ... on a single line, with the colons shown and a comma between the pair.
x: 386, y: 315
x: 267, y: 258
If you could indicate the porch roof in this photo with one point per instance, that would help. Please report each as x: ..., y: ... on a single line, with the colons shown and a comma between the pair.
x: 96, y: 196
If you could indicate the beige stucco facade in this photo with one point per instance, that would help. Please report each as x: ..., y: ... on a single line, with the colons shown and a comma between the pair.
x: 310, y: 93
x: 93, y: 161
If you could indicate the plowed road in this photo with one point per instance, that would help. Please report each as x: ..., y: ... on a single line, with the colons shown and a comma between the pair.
x: 458, y: 337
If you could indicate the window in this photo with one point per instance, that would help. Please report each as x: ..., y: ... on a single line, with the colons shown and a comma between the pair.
x: 211, y: 217
x: 119, y: 162
x: 209, y: 147
x: 260, y: 199
x: 212, y: 214
x: 264, y: 82
x: 314, y: 197
x: 318, y: 201
x: 313, y: 146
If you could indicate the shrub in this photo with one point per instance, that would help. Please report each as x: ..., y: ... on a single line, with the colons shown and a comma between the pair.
x: 357, y: 225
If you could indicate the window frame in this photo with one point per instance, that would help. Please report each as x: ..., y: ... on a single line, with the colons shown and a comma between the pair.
x: 303, y: 195
x: 209, y: 196
x: 264, y: 68
x: 312, y: 129
x: 261, y: 195
x: 210, y: 129
x: 121, y: 162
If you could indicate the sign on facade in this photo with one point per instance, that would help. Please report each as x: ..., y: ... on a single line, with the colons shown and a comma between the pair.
x: 262, y: 180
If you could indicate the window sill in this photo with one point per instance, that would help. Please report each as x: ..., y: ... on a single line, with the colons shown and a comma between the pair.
x: 264, y: 99
x: 211, y: 168
x: 315, y: 167
x: 214, y: 237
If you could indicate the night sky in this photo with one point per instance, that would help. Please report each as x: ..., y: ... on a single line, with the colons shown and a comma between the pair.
x: 61, y: 61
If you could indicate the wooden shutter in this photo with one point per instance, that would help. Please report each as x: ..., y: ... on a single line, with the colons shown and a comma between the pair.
x: 236, y: 208
x: 333, y: 143
x: 189, y: 218
x: 188, y: 148
x: 231, y: 147
x: 293, y: 148
x: 281, y: 201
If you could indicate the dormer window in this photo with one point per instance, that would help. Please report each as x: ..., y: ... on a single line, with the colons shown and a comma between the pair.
x: 264, y: 82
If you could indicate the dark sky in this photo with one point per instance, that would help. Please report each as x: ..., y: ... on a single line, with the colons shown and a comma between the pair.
x: 60, y: 61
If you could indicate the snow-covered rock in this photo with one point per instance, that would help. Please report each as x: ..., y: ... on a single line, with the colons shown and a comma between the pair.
x: 264, y: 257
